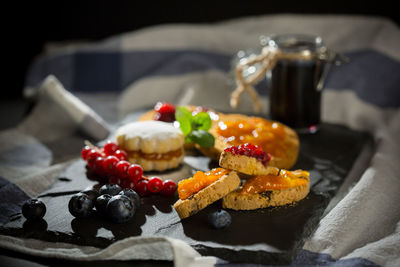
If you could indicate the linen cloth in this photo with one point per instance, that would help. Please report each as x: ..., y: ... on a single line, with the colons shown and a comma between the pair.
x: 191, y: 64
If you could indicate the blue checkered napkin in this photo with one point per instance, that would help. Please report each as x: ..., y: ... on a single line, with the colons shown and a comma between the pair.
x: 108, y: 67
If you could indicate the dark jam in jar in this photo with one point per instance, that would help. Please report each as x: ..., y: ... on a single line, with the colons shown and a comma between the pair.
x: 295, y: 82
x: 294, y: 98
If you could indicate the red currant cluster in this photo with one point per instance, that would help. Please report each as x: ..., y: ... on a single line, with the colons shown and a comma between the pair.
x: 250, y: 150
x: 109, y: 164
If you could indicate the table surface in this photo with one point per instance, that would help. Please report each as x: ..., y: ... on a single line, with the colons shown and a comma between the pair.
x: 328, y: 155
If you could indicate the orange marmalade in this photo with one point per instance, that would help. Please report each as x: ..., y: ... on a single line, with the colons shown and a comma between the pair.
x: 285, y: 179
x: 268, y: 135
x: 200, y: 180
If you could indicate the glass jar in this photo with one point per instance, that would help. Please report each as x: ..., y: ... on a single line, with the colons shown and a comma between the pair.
x: 295, y: 82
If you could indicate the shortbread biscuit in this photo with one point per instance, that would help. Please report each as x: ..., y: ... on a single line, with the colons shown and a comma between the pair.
x: 207, y: 195
x: 285, y: 143
x: 245, y: 164
x: 237, y: 201
x: 154, y: 145
x: 293, y: 191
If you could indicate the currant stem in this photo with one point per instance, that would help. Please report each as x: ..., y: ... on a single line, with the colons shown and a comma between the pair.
x: 88, y: 143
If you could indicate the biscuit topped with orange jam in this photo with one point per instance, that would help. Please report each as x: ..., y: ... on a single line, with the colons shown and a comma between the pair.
x: 280, y: 141
x: 262, y: 191
x: 155, y: 145
x: 257, y: 131
x: 204, y: 188
x: 284, y: 180
x: 200, y: 180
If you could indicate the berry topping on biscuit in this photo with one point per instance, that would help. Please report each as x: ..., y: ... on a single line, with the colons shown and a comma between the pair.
x: 250, y: 150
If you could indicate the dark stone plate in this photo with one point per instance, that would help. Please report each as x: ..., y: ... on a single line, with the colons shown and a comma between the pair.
x: 271, y: 235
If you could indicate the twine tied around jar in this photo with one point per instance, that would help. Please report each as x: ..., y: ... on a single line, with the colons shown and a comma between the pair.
x: 268, y: 58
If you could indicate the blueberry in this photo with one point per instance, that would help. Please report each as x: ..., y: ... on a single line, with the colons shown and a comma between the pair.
x: 33, y: 209
x: 91, y: 193
x: 101, y: 203
x: 120, y: 209
x: 132, y: 195
x: 80, y: 205
x: 220, y: 219
x: 111, y: 189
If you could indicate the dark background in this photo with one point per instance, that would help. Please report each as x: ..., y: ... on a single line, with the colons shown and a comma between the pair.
x: 30, y: 25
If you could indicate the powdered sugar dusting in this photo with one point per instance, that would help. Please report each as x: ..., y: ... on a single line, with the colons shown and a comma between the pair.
x: 150, y: 130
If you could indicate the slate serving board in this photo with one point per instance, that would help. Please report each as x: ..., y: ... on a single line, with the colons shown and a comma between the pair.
x: 271, y: 235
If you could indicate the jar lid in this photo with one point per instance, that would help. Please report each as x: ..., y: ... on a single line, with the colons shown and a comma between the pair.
x: 296, y: 43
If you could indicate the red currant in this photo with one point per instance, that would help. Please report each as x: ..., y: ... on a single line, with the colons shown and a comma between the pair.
x: 169, y: 188
x: 101, y: 151
x: 155, y: 184
x: 110, y: 148
x: 122, y: 169
x: 92, y: 156
x: 164, y: 112
x: 135, y: 173
x: 91, y: 174
x: 121, y: 154
x: 142, y: 188
x: 127, y: 183
x: 113, y: 179
x: 99, y: 166
x: 84, y: 152
x: 110, y: 163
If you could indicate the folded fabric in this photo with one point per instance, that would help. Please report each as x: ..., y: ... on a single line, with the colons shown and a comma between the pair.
x: 11, y: 199
x: 58, y: 114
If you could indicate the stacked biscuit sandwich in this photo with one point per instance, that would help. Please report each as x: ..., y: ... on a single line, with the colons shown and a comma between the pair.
x: 245, y: 181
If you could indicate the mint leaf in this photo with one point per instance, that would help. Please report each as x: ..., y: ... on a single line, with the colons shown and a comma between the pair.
x: 188, y: 140
x: 201, y: 121
x: 184, y: 117
x: 201, y: 137
x: 194, y: 128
